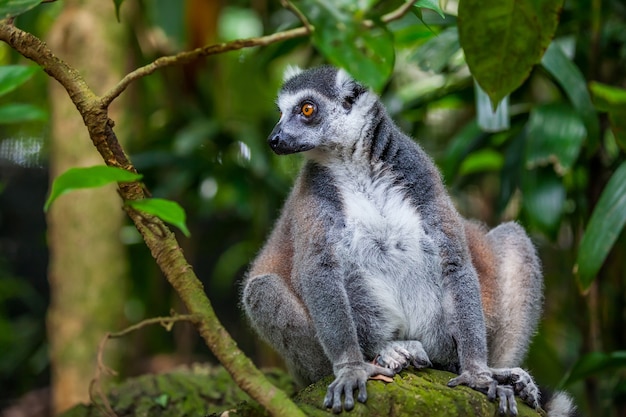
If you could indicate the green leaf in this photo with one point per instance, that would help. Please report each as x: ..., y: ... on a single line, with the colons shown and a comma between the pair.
x: 91, y: 177
x: 166, y: 210
x: 437, y: 52
x: 481, y: 161
x: 11, y: 8
x: 12, y: 76
x: 162, y: 400
x: 555, y: 135
x: 430, y: 4
x: 467, y: 139
x: 504, y: 39
x: 573, y: 83
x: 612, y: 100
x: 366, y: 53
x: 17, y: 113
x: 605, y: 225
x: 594, y: 363
x: 543, y: 200
x: 608, y: 98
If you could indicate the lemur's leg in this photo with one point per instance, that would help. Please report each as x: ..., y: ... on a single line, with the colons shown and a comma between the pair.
x: 511, y: 290
x: 280, y: 318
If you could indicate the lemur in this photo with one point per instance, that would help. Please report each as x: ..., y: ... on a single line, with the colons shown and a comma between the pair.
x: 370, y: 268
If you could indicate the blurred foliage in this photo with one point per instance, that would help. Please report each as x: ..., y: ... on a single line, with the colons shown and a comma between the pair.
x: 198, y: 137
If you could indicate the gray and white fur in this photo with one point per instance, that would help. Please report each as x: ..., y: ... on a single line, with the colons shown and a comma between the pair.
x: 370, y: 268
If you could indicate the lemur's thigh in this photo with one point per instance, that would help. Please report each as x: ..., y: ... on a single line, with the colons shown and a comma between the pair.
x: 280, y: 318
x: 519, y: 288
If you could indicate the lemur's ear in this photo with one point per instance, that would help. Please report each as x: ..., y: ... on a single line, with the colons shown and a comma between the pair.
x: 290, y: 72
x: 349, y: 89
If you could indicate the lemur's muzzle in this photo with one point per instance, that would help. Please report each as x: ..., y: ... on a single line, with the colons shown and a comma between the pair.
x: 284, y: 144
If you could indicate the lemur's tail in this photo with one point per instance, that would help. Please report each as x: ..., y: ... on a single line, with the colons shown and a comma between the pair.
x: 559, y: 404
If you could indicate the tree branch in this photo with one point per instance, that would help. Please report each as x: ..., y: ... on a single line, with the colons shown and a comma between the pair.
x: 188, y: 56
x: 159, y: 239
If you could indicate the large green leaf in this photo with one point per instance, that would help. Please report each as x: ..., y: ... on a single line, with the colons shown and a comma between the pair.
x: 605, y: 225
x: 12, y: 76
x: 90, y: 177
x: 612, y: 100
x: 504, y: 39
x: 555, y: 134
x: 573, y: 83
x: 17, y: 113
x: 543, y: 200
x: 166, y: 210
x: 340, y: 34
x: 11, y: 8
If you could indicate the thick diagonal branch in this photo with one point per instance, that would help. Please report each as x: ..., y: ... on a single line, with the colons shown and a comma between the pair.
x: 159, y: 239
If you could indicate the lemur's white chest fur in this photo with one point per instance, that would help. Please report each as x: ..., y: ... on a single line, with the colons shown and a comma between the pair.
x: 384, y: 240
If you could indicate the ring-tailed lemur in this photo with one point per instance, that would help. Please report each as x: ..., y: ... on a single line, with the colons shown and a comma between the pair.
x: 370, y: 261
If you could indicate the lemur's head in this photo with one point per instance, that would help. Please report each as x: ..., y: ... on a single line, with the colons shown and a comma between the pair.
x: 321, y: 108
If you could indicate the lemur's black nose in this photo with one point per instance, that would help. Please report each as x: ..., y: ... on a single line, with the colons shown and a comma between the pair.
x: 274, y: 141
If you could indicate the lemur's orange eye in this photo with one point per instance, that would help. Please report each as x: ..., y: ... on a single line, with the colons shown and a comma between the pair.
x: 307, y: 109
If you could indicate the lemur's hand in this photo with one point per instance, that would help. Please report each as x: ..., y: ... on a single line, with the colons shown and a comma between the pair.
x: 351, y: 376
x: 484, y: 381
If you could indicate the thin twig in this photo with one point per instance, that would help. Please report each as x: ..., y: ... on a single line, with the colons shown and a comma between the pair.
x: 95, y: 386
x: 399, y: 12
x: 166, y: 322
x: 292, y: 7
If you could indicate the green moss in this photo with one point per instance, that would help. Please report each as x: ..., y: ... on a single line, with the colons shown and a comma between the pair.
x: 209, y: 391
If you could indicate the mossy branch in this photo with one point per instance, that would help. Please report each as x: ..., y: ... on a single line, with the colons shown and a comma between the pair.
x: 159, y: 239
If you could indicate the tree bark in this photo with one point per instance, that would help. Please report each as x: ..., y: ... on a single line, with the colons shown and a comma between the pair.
x: 88, y: 266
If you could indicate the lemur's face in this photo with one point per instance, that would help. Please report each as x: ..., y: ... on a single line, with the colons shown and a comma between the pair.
x: 317, y: 110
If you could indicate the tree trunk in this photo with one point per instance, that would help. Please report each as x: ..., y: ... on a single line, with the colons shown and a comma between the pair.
x: 88, y: 264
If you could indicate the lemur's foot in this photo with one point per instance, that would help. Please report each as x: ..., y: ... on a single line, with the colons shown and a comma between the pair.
x: 522, y: 383
x: 484, y: 381
x: 402, y: 353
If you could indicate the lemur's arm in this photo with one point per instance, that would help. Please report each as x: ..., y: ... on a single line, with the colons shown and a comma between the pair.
x: 444, y: 224
x: 318, y: 280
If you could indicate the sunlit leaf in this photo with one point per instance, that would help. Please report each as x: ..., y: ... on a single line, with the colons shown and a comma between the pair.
x: 12, y: 76
x: 543, y: 198
x: 430, y: 4
x: 168, y: 211
x: 461, y: 145
x: 612, y: 100
x: 11, y: 8
x: 481, y: 161
x: 594, y: 363
x: 91, y: 177
x: 555, y: 134
x: 504, y: 39
x: 573, y: 83
x: 17, y: 113
x: 605, y: 225
x: 607, y: 97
